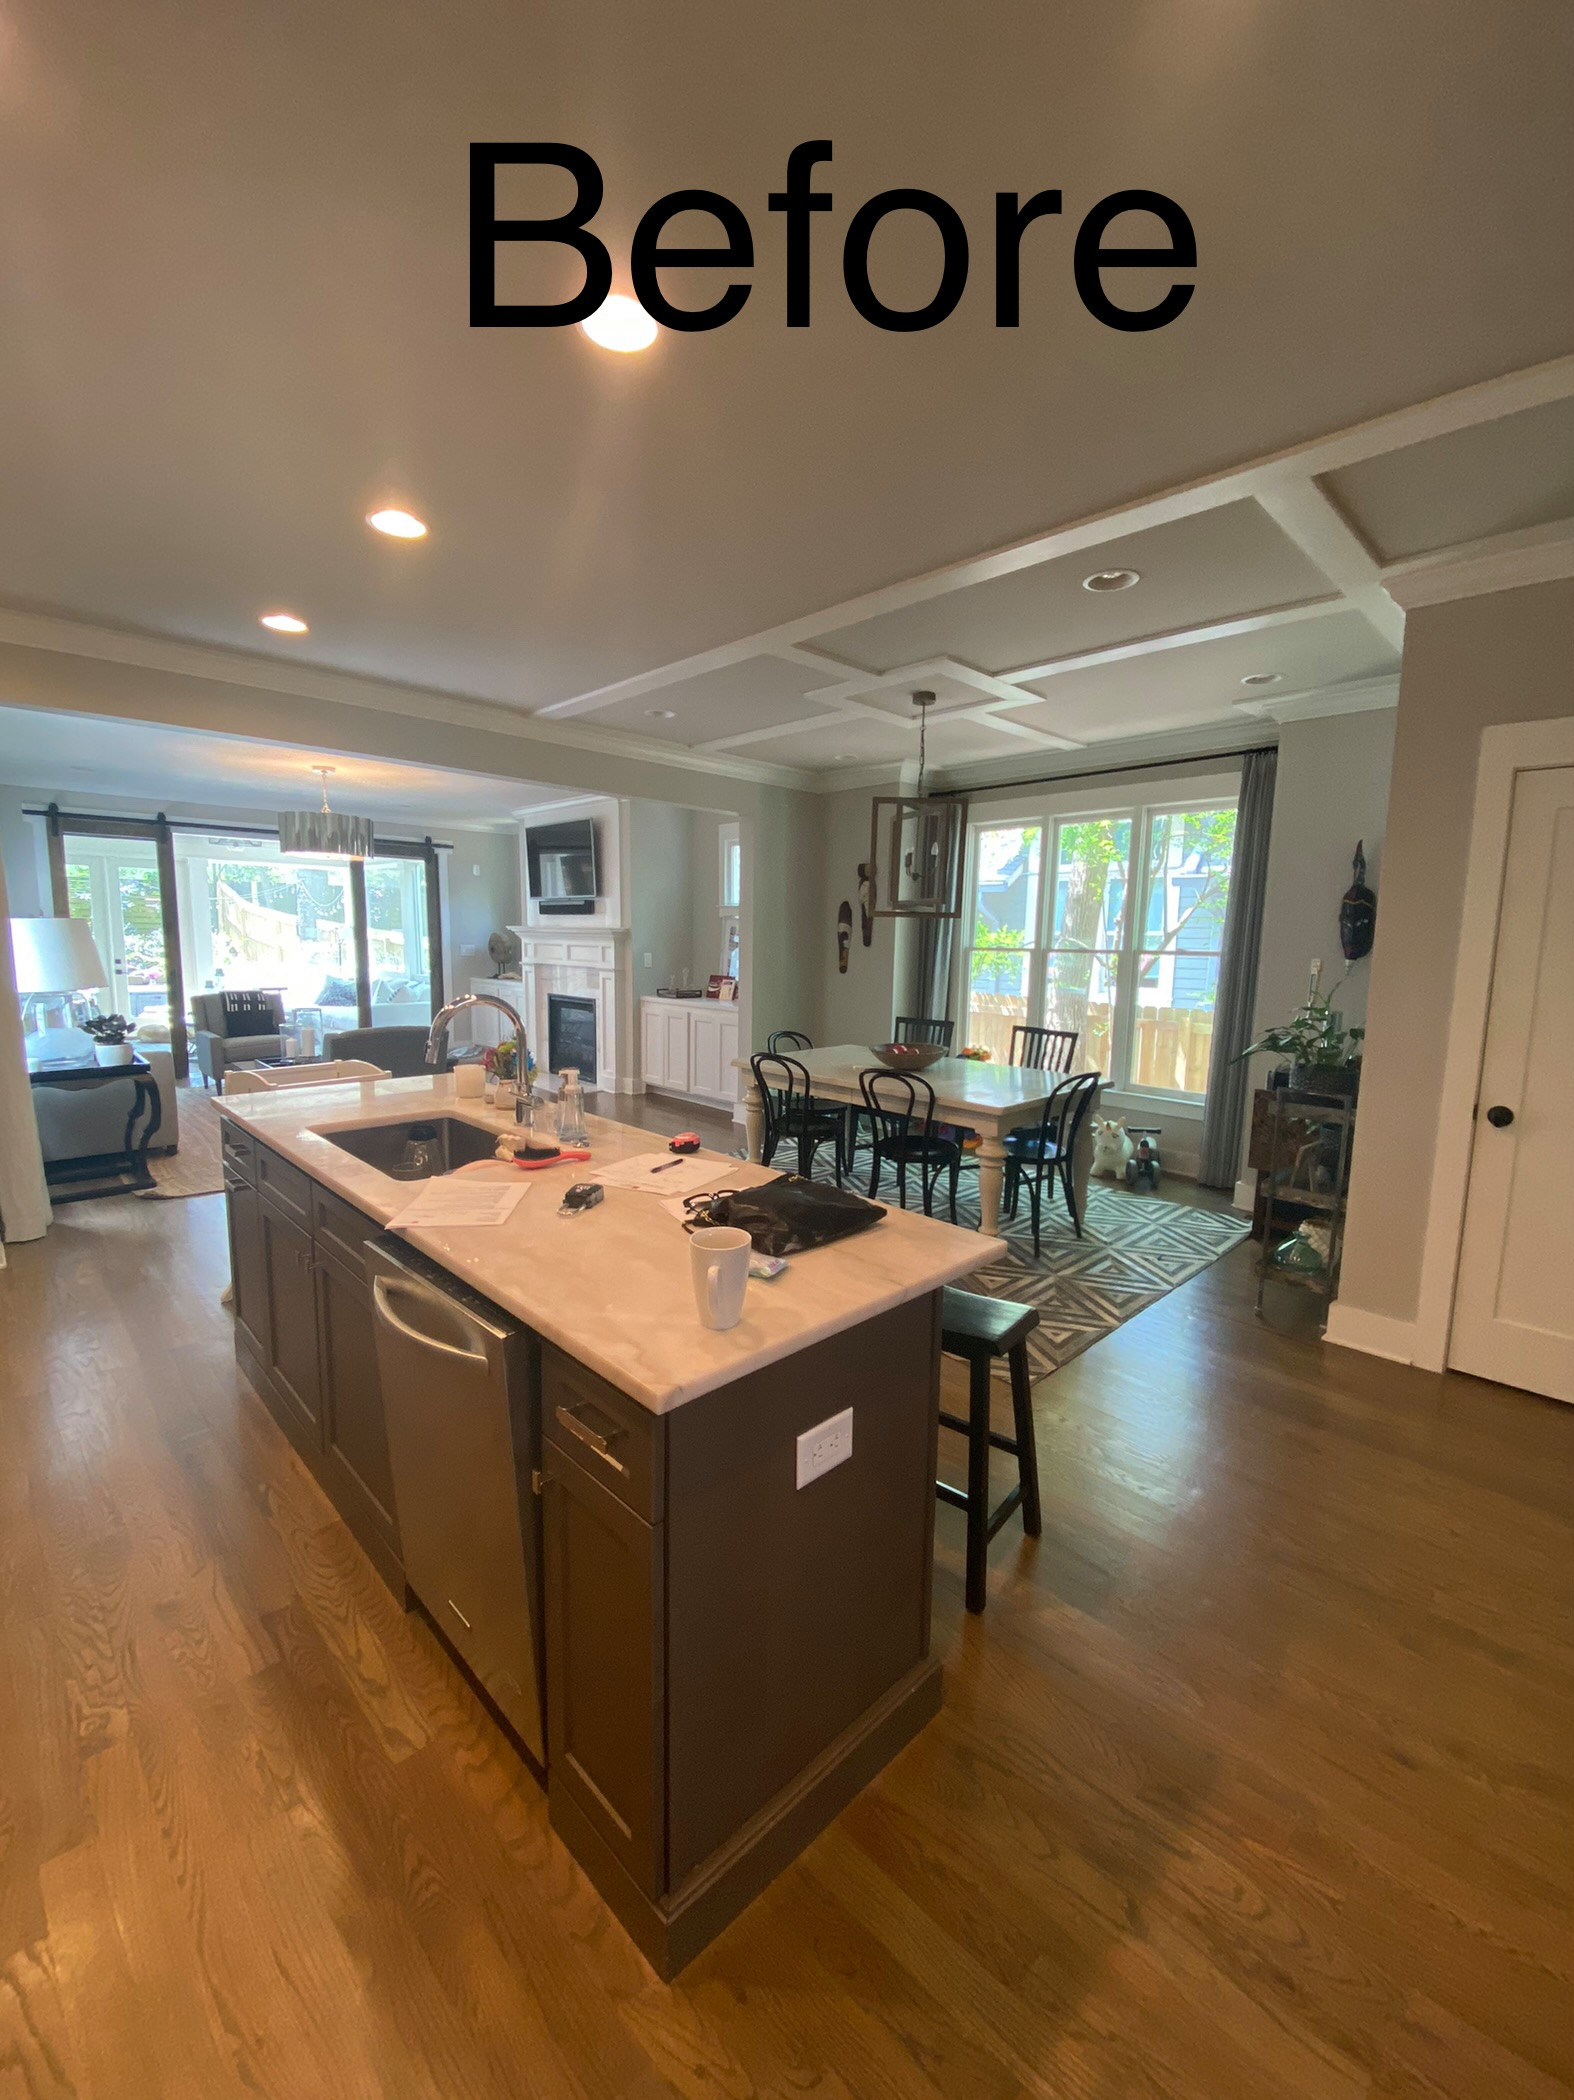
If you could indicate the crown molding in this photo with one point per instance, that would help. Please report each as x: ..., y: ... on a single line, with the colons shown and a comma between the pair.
x: 266, y: 674
x: 1541, y: 554
x: 1361, y: 696
x: 1204, y: 743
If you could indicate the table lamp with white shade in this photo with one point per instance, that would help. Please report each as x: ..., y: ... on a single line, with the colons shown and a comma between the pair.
x: 56, y: 959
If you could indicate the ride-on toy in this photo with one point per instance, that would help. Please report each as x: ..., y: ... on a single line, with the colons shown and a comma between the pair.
x: 1144, y: 1163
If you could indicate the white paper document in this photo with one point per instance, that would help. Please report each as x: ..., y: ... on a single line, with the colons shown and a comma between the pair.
x: 446, y: 1204
x: 662, y: 1173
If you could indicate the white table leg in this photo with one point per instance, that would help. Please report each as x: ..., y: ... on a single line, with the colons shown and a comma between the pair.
x: 753, y: 1123
x: 991, y: 1177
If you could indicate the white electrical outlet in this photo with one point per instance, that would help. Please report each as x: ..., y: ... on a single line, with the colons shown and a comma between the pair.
x: 648, y: 958
x: 825, y: 1446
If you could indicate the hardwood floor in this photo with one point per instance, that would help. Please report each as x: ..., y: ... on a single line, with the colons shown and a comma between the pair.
x: 1253, y: 1781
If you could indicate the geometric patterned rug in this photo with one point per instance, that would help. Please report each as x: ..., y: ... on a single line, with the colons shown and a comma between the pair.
x: 1135, y: 1248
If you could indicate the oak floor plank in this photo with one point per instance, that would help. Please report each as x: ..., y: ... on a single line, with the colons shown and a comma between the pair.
x: 1253, y: 1781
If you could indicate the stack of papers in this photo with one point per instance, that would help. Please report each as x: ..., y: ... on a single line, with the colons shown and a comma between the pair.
x: 662, y: 1173
x: 449, y: 1203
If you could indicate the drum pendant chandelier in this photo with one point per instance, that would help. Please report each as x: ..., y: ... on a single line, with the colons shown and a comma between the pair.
x: 324, y: 831
x: 915, y: 846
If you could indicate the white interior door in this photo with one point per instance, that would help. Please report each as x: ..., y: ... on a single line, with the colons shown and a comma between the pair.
x: 1514, y: 1307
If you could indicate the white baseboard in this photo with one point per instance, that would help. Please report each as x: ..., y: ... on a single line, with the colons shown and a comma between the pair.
x: 1245, y: 1197
x: 1374, y: 1334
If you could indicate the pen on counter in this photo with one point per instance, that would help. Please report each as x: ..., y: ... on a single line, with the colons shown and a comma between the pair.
x: 669, y: 1163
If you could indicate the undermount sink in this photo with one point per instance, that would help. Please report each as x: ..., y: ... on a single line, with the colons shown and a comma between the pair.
x: 417, y: 1150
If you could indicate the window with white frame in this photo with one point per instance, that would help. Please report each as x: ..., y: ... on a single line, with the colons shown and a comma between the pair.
x: 730, y: 879
x: 1108, y: 922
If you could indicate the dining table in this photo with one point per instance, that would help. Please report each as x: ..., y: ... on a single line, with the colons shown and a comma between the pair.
x: 991, y: 1099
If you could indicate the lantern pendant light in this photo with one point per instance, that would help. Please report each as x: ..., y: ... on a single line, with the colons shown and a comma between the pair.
x: 915, y: 845
x: 324, y: 831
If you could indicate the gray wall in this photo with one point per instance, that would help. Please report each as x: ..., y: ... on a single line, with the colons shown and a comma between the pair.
x: 705, y: 894
x: 660, y: 913
x: 1508, y: 657
x: 783, y: 923
x: 1331, y: 789
x: 859, y: 1007
x: 480, y: 898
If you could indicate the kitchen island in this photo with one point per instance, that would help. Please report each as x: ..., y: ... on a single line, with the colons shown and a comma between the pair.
x: 721, y: 1657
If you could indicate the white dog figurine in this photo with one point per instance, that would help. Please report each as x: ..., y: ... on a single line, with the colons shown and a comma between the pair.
x: 1111, y: 1146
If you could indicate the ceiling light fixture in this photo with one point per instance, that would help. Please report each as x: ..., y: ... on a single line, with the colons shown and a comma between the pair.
x: 620, y: 323
x: 1111, y: 580
x: 284, y: 623
x: 325, y: 831
x: 662, y: 714
x: 917, y: 840
x: 397, y: 524
x: 1262, y: 678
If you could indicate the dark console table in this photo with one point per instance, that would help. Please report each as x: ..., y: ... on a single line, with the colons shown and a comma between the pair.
x: 121, y: 1173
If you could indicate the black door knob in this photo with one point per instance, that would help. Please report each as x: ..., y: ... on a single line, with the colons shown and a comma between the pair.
x: 1500, y: 1118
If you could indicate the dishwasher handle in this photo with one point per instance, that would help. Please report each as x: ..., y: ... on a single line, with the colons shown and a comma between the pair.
x: 384, y: 1291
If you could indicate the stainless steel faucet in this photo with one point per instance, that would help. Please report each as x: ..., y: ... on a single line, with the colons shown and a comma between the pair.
x: 437, y: 1043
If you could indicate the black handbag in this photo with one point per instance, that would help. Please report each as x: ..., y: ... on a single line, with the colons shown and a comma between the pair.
x: 786, y: 1216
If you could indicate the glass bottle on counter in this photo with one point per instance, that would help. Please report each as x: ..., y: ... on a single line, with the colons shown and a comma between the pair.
x: 571, y: 1109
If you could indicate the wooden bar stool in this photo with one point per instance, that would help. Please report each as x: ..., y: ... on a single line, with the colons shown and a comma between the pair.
x: 981, y: 1330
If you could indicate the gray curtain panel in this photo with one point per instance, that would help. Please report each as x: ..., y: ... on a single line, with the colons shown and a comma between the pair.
x: 1225, y: 1111
x: 936, y: 938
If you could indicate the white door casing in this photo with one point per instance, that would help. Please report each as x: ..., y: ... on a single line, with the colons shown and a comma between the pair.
x: 1513, y: 1308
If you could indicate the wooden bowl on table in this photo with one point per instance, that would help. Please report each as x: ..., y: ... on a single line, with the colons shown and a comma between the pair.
x: 909, y: 1057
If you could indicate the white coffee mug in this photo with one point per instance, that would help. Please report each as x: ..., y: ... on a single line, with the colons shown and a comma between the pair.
x: 719, y: 1262
x: 470, y: 1081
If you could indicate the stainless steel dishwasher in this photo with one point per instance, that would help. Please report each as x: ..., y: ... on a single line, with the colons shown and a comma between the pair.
x: 464, y: 1440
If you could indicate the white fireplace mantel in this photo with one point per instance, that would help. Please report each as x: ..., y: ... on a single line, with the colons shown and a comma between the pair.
x: 593, y: 964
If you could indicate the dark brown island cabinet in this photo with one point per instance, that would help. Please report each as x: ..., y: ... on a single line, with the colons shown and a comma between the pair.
x: 728, y: 1658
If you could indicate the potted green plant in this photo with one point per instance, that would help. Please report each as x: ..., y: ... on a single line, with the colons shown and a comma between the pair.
x: 1325, y: 1056
x: 111, y: 1038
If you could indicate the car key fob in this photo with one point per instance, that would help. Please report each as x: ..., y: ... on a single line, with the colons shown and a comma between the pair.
x: 584, y: 1195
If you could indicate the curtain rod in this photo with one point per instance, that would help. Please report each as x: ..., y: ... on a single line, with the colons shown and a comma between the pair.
x: 66, y: 818
x: 1151, y: 765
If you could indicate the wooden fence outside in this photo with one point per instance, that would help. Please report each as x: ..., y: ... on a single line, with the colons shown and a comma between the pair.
x: 1172, y: 1050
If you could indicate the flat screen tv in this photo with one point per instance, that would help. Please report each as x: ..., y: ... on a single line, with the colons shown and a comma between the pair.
x: 561, y: 861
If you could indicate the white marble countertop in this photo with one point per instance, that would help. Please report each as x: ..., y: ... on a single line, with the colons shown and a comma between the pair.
x: 611, y: 1286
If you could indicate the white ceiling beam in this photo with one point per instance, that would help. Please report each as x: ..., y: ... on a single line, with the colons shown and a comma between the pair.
x: 1316, y: 524
x: 1505, y: 562
x: 1359, y: 696
x: 1468, y: 406
x: 1172, y: 638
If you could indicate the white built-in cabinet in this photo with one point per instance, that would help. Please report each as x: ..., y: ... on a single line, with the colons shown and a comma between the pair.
x: 688, y: 1046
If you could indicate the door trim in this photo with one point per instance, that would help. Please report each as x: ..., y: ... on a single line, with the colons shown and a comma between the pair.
x: 1507, y: 750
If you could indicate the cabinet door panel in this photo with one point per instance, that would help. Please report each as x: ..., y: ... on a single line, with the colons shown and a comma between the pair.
x: 676, y: 1056
x: 248, y: 1273
x: 355, y: 1430
x: 604, y: 1665
x: 291, y: 1354
x: 653, y: 1044
x: 705, y: 1055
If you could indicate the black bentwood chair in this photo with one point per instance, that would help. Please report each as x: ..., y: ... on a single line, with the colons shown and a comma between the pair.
x: 1048, y: 1152
x: 913, y: 1028
x: 785, y: 1039
x: 1042, y: 1049
x: 901, y: 1111
x: 791, y: 1115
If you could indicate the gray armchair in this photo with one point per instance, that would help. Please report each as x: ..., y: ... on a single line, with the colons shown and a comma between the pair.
x: 214, y: 1044
x: 400, y: 1051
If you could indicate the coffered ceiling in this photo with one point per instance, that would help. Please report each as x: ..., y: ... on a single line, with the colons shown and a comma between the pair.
x: 235, y: 302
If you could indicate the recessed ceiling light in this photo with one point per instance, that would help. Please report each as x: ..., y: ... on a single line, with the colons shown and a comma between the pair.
x: 1111, y: 580
x: 619, y: 323
x: 398, y: 524
x: 663, y: 714
x: 284, y: 623
x: 1262, y: 678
